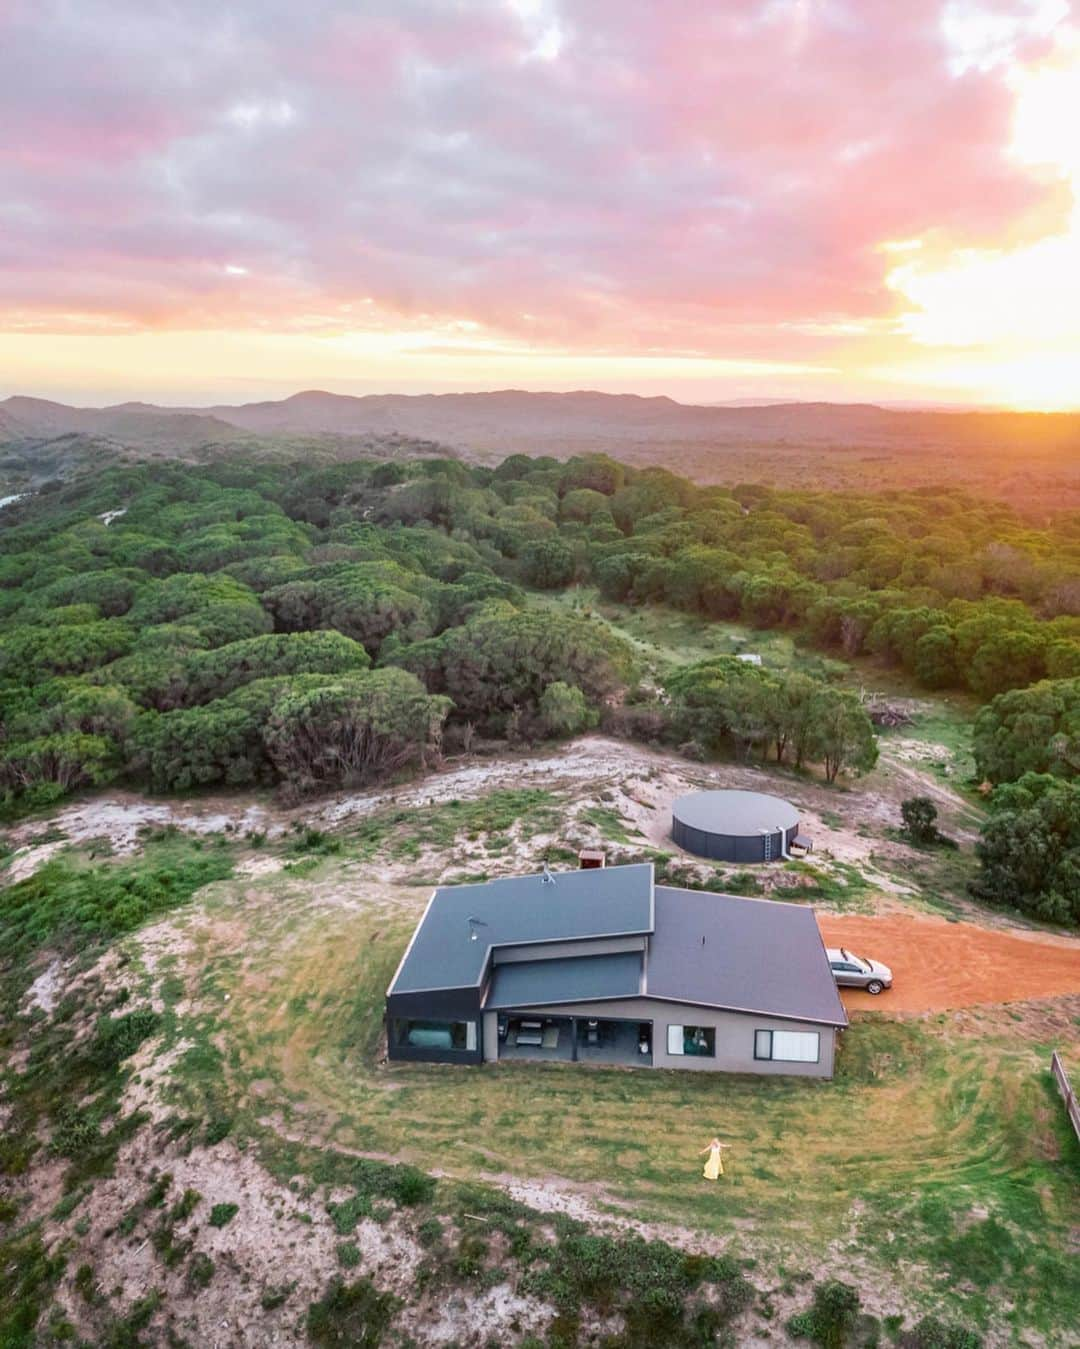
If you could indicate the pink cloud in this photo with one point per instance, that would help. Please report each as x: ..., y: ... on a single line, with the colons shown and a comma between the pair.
x: 679, y: 175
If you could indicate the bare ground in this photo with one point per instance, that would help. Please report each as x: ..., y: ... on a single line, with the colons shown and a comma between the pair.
x: 939, y: 965
x: 849, y: 824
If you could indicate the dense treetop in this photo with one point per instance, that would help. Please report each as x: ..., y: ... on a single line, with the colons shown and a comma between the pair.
x: 245, y: 622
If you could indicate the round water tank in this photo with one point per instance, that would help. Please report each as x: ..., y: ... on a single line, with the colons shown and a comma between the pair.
x: 730, y: 826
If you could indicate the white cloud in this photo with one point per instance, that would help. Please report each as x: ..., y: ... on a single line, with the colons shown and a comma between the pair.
x: 261, y: 112
x: 980, y: 39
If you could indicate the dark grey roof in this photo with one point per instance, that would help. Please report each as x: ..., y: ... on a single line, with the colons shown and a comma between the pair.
x: 735, y: 813
x: 514, y: 910
x: 536, y: 983
x: 759, y: 956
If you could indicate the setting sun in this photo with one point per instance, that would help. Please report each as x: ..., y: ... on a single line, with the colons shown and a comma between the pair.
x: 1014, y: 310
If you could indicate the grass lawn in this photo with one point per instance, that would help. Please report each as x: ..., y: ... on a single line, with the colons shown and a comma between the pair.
x: 665, y: 637
x: 938, y: 1154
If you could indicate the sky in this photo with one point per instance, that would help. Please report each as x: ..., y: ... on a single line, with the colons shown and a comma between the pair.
x: 838, y: 199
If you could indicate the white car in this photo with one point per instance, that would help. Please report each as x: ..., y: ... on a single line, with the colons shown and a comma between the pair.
x: 852, y: 971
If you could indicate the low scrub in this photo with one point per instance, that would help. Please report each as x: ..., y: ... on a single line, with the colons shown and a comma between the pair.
x: 353, y: 1315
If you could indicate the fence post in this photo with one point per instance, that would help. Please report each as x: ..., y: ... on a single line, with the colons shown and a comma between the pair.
x: 1061, y: 1077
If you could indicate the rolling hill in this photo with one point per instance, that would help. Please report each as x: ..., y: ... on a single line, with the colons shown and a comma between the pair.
x: 1032, y: 459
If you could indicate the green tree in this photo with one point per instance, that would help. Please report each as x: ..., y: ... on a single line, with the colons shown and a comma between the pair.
x: 346, y: 732
x: 719, y: 703
x: 547, y: 564
x: 504, y: 658
x: 1029, y: 849
x: 841, y: 734
x: 200, y: 746
x: 365, y: 601
x: 1030, y: 730
x: 935, y: 659
x: 1006, y: 660
x: 565, y: 710
x: 205, y: 675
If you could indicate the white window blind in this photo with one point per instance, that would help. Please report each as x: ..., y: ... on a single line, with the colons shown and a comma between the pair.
x: 675, y: 1040
x: 470, y: 1036
x: 795, y: 1046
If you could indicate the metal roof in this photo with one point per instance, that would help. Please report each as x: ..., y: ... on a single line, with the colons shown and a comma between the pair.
x: 735, y: 813
x: 451, y: 945
x: 537, y: 983
x: 758, y: 955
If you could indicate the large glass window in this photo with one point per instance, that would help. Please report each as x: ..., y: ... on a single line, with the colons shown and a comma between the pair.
x: 696, y: 1041
x: 788, y: 1046
x: 459, y: 1036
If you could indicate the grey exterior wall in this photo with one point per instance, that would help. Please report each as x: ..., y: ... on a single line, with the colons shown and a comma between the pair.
x: 734, y: 1035
x: 453, y: 1004
x: 490, y: 1044
x: 728, y: 847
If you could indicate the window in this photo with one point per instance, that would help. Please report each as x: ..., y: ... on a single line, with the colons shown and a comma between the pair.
x: 456, y: 1036
x: 788, y: 1046
x: 696, y: 1041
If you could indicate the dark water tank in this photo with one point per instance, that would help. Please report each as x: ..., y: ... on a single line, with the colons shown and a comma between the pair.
x: 730, y: 826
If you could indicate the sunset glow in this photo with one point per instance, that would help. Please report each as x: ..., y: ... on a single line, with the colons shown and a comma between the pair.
x: 808, y: 200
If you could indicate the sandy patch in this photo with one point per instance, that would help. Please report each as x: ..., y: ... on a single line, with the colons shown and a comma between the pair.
x: 259, y: 866
x: 121, y: 818
x: 47, y: 989
x: 25, y: 861
x: 494, y: 1316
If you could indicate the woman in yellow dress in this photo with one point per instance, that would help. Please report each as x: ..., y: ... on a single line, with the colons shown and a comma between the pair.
x: 714, y: 1167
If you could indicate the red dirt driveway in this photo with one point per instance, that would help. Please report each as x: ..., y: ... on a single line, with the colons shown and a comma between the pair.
x: 937, y: 965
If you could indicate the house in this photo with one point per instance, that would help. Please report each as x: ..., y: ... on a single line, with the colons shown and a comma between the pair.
x: 601, y: 965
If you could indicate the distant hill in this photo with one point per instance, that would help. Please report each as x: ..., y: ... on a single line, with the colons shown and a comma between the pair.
x: 561, y: 423
x: 1033, y: 458
x: 553, y: 423
x: 138, y: 425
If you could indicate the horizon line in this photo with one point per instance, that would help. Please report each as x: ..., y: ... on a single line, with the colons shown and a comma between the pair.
x: 749, y: 403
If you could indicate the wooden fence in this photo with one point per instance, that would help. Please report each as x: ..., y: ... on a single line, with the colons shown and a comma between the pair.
x: 1061, y: 1077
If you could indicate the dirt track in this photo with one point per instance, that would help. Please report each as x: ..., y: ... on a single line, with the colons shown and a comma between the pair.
x: 938, y: 965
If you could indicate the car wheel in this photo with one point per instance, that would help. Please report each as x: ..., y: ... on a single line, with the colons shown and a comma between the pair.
x: 874, y: 986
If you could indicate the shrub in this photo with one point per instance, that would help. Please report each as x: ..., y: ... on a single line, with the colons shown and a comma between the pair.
x: 117, y: 1038
x: 347, y: 1214
x: 564, y: 709
x: 60, y: 905
x: 831, y: 1317
x: 200, y: 1270
x: 217, y: 1129
x: 920, y: 819
x: 647, y: 1275
x: 469, y: 1256
x: 930, y: 1333
x: 221, y: 1214
x: 411, y: 1187
x: 276, y: 1296
x: 27, y: 1277
x: 353, y: 1316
